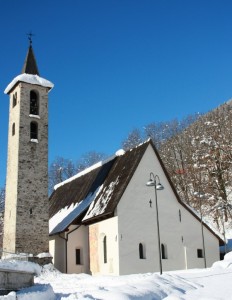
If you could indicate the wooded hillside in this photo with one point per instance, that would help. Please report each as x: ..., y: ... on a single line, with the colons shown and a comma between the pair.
x: 197, y: 153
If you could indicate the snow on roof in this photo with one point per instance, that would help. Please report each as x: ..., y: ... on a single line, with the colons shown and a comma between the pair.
x: 91, y: 168
x: 99, y: 207
x: 61, y: 220
x: 29, y: 78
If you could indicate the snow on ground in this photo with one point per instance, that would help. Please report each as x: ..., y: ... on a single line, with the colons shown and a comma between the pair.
x: 202, y: 284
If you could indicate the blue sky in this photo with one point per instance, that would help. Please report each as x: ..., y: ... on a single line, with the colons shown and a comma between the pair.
x: 116, y: 65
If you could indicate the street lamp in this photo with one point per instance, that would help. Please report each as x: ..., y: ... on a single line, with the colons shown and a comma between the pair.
x: 155, y: 181
x: 200, y: 196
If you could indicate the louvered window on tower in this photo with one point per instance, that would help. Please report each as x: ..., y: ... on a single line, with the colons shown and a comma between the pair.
x: 13, y: 129
x: 14, y: 99
x: 34, y: 103
x: 34, y: 131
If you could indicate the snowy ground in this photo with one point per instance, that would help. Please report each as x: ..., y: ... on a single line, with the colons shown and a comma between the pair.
x: 203, y: 284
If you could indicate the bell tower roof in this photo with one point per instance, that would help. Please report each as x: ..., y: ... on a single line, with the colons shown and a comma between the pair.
x: 30, y: 73
x: 30, y: 66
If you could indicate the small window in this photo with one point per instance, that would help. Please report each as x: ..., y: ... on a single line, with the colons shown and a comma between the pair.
x: 180, y: 215
x: 78, y: 256
x: 14, y: 99
x: 104, y: 250
x: 141, y: 251
x: 34, y: 103
x: 13, y: 129
x: 164, y: 252
x: 200, y: 253
x: 34, y: 131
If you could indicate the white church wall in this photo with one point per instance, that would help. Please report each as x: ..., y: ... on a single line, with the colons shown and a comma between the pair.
x: 193, y: 241
x: 78, y: 250
x: 57, y: 248
x: 137, y: 224
x: 107, y: 229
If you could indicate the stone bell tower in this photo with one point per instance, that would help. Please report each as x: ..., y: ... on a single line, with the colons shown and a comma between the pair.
x: 26, y: 203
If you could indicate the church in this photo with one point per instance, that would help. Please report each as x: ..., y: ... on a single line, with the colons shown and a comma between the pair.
x: 124, y: 216
x: 120, y: 216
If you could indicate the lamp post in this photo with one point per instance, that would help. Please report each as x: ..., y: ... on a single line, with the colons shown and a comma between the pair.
x: 202, y: 230
x: 157, y: 186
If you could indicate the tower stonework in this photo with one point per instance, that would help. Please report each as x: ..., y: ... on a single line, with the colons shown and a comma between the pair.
x: 26, y: 204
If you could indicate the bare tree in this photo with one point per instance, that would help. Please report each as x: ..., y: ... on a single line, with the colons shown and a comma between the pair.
x: 63, y: 168
x: 60, y: 169
x: 199, y: 161
x: 133, y: 139
x: 197, y: 152
x: 88, y: 159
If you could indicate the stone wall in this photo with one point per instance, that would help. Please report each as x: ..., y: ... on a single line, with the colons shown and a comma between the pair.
x: 26, y: 221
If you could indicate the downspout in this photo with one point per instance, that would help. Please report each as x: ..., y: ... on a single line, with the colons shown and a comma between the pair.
x: 66, y: 246
x: 65, y: 251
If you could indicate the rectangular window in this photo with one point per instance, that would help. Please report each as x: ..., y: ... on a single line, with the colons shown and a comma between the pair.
x: 78, y: 256
x: 164, y: 251
x: 200, y: 253
x: 104, y: 250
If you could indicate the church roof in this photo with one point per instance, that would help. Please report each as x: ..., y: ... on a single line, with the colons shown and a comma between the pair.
x: 93, y: 194
x: 30, y: 74
x: 30, y: 65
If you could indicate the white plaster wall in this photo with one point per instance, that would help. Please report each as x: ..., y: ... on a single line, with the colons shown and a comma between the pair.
x: 108, y: 228
x: 137, y: 224
x: 57, y: 248
x: 194, y: 241
x: 78, y: 239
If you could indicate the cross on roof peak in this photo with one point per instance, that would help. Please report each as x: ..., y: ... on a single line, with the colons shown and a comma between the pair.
x: 30, y: 35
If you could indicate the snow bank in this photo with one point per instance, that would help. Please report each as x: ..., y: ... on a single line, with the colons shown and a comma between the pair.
x: 10, y: 296
x: 37, y: 292
x: 20, y: 266
x: 44, y: 254
x: 224, y: 264
x: 136, y: 286
x: 211, y: 283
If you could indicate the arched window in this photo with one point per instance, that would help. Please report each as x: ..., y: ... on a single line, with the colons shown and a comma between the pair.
x: 104, y: 250
x: 34, y: 131
x: 34, y: 103
x: 164, y: 252
x: 13, y: 129
x: 141, y: 251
